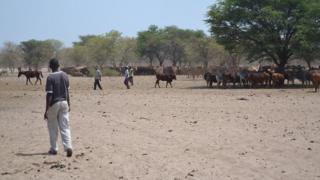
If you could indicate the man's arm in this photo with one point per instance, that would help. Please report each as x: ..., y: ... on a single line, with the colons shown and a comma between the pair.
x: 48, y: 102
x: 49, y: 96
x: 67, y: 91
x: 68, y: 99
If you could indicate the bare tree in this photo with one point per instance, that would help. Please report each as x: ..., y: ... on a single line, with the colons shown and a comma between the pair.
x: 11, y: 56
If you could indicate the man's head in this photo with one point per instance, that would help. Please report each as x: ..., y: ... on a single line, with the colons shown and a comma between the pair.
x: 54, y: 64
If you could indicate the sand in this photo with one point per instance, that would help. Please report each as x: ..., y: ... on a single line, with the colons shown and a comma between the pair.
x: 184, y: 132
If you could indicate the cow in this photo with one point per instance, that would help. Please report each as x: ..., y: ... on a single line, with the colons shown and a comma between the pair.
x: 195, y: 72
x: 289, y: 75
x: 303, y: 76
x: 262, y: 78
x: 210, y: 78
x: 277, y: 79
x: 207, y: 77
x: 243, y: 73
x: 3, y: 72
x: 165, y: 77
x: 315, y: 77
x: 230, y: 78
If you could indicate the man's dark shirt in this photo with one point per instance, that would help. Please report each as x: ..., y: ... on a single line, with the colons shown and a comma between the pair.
x: 57, y: 85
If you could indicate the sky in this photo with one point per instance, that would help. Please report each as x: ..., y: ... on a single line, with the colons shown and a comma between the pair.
x: 65, y: 20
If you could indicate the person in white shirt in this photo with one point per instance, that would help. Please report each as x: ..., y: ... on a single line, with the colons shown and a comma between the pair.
x: 131, y: 72
x: 97, y: 79
x: 126, y: 77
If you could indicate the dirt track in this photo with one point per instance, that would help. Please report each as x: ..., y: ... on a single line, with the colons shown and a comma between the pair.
x: 185, y: 132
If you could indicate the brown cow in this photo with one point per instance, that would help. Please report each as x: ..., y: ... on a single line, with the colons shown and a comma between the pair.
x: 315, y: 77
x: 277, y: 79
x: 262, y: 78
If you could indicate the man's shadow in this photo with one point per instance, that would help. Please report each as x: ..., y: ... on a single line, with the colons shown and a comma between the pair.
x: 31, y: 154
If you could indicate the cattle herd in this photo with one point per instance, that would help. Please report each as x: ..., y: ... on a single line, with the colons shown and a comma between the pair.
x: 267, y: 76
x: 244, y: 77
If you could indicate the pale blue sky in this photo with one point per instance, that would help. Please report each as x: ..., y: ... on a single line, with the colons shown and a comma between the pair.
x: 65, y: 20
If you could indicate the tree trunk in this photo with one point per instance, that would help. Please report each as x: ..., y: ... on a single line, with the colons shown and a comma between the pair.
x: 282, y: 65
x: 174, y: 63
x: 205, y: 64
x: 308, y: 63
x: 161, y: 62
x: 283, y: 60
x: 151, y: 61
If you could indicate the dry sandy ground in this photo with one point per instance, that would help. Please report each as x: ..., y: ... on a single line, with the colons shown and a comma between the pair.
x: 185, y: 132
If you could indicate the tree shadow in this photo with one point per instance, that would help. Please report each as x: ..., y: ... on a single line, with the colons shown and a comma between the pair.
x: 313, y: 92
x: 291, y: 86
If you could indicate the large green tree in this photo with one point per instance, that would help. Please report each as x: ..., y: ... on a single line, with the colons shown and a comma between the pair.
x: 99, y: 49
x: 270, y: 29
x: 176, y: 41
x: 153, y: 44
x: 126, y: 51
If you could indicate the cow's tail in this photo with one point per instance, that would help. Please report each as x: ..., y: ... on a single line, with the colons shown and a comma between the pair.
x: 41, y: 74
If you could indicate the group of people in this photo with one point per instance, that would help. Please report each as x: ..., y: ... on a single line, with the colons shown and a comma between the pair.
x: 128, y: 77
x: 58, y: 104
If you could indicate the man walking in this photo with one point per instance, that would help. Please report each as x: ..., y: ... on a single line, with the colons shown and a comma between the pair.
x: 97, y: 79
x: 131, y: 71
x: 57, y: 108
x: 126, y: 77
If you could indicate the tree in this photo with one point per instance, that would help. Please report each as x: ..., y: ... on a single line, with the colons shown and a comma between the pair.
x: 126, y: 51
x: 11, y: 56
x: 263, y: 29
x: 84, y: 40
x: 153, y: 45
x: 308, y: 48
x: 56, y: 45
x: 203, y: 49
x: 99, y: 48
x: 309, y: 53
x: 75, y: 56
x: 36, y: 52
x: 176, y: 40
x: 113, y: 38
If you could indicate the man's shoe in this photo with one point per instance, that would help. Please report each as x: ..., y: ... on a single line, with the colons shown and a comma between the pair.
x: 52, y: 152
x: 69, y: 152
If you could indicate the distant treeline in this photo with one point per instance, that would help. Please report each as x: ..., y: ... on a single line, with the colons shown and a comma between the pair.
x: 153, y: 47
x: 272, y: 31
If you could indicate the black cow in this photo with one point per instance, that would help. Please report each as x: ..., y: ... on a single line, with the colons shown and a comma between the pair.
x: 210, y: 78
x: 165, y: 77
x: 229, y: 78
x: 303, y: 76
